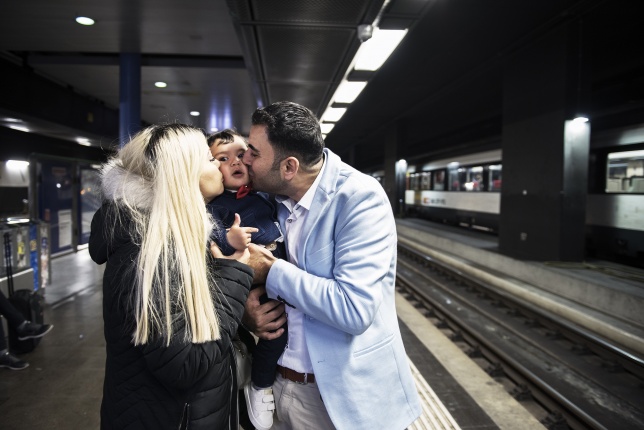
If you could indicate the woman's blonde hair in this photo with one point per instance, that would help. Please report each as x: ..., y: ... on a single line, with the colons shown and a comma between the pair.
x: 172, y: 274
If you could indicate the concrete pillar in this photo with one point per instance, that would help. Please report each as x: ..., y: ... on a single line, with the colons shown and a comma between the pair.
x: 545, y: 153
x: 391, y: 181
x: 130, y: 96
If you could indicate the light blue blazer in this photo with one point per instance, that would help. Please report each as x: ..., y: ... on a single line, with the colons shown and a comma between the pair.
x: 345, y: 286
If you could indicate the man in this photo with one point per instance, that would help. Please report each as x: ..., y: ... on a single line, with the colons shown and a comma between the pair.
x: 344, y: 362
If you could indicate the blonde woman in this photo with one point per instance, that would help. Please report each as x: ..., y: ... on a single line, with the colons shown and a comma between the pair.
x: 170, y: 304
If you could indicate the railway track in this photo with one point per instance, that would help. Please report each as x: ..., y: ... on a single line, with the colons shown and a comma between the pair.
x: 567, y: 376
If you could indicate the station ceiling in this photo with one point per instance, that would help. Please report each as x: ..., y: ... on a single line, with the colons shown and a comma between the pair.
x: 443, y: 85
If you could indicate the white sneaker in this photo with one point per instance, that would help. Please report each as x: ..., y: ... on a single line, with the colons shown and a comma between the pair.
x: 260, y: 404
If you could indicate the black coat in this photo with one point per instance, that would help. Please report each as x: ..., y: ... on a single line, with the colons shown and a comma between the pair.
x: 153, y: 386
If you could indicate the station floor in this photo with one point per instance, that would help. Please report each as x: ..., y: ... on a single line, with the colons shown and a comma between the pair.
x: 61, y: 389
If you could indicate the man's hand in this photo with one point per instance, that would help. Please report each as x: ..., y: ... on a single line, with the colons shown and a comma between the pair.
x: 264, y: 320
x: 261, y: 261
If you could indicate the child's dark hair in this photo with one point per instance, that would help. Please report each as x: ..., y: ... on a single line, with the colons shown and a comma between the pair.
x: 226, y: 136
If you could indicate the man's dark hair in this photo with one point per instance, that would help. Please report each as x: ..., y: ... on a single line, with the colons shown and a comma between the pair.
x: 292, y: 129
x: 226, y: 136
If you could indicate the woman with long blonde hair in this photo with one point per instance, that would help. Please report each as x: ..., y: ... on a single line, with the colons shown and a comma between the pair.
x: 170, y: 304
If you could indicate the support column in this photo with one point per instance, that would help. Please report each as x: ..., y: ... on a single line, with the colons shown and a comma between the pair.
x: 130, y: 96
x: 391, y: 181
x: 545, y: 153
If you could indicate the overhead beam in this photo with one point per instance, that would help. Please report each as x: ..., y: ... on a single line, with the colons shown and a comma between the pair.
x: 150, y: 60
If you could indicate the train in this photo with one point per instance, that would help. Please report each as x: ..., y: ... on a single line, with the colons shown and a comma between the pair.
x: 466, y: 190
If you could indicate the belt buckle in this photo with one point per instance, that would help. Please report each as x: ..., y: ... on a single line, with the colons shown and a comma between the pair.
x: 305, y: 379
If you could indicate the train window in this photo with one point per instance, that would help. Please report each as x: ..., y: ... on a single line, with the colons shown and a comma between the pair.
x: 414, y: 181
x: 625, y: 172
x: 472, y: 178
x: 494, y: 177
x: 439, y: 180
x: 425, y: 180
x: 453, y: 176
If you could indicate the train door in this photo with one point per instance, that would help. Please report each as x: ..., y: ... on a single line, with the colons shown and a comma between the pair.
x: 55, y: 197
x: 89, y: 200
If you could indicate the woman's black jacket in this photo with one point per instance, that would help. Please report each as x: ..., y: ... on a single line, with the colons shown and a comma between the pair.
x: 154, y: 386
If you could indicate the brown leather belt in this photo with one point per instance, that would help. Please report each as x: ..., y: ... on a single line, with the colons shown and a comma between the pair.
x: 292, y: 375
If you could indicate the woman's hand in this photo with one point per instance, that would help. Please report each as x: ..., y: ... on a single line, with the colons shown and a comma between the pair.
x: 242, y: 256
x: 239, y: 237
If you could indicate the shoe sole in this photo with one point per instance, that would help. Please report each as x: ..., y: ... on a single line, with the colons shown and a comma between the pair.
x: 37, y: 335
x: 14, y: 368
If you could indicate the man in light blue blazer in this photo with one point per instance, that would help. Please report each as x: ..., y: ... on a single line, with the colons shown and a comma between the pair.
x: 345, y: 361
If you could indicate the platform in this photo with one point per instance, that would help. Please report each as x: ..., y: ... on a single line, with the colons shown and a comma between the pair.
x: 62, y: 387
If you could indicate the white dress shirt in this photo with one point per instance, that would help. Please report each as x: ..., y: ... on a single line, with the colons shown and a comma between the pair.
x: 296, y: 354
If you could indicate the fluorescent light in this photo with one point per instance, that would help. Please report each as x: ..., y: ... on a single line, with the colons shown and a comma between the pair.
x: 326, y: 127
x: 160, y: 84
x: 19, y: 128
x: 348, y: 91
x: 194, y: 113
x: 83, y: 20
x: 625, y: 154
x: 17, y: 220
x: 580, y: 119
x: 374, y: 52
x: 333, y: 114
x: 83, y: 141
x: 17, y: 164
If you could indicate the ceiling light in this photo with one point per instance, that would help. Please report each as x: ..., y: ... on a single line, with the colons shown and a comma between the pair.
x: 83, y: 141
x: 375, y: 51
x: 214, y: 129
x: 326, y: 127
x: 12, y: 120
x: 160, y: 84
x: 348, y: 91
x: 194, y: 113
x: 83, y: 20
x: 17, y: 164
x: 19, y: 128
x: 333, y: 114
x: 580, y: 119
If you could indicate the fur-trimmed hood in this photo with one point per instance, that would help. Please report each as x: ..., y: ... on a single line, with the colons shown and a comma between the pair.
x: 119, y: 184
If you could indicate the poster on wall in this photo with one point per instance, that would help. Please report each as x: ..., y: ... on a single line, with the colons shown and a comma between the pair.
x: 44, y: 255
x: 64, y: 228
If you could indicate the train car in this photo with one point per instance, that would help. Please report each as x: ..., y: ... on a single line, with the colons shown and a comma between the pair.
x: 57, y: 191
x: 462, y: 191
x: 466, y: 191
x: 615, y: 204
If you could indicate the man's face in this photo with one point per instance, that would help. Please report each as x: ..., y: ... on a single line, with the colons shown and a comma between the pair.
x: 230, y: 157
x: 260, y: 159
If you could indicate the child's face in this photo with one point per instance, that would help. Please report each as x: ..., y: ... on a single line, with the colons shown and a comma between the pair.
x: 230, y: 158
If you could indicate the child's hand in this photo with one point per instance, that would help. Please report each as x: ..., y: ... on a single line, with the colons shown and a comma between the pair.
x: 241, y: 256
x: 239, y: 237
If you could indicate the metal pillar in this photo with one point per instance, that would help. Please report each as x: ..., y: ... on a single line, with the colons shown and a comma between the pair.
x: 130, y: 96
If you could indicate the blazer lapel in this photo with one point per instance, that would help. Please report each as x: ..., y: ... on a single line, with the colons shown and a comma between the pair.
x: 321, y: 199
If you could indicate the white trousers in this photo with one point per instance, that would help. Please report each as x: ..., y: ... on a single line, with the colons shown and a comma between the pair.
x: 299, y: 407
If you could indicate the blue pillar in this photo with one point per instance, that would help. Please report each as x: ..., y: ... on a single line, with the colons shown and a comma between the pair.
x: 130, y: 96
